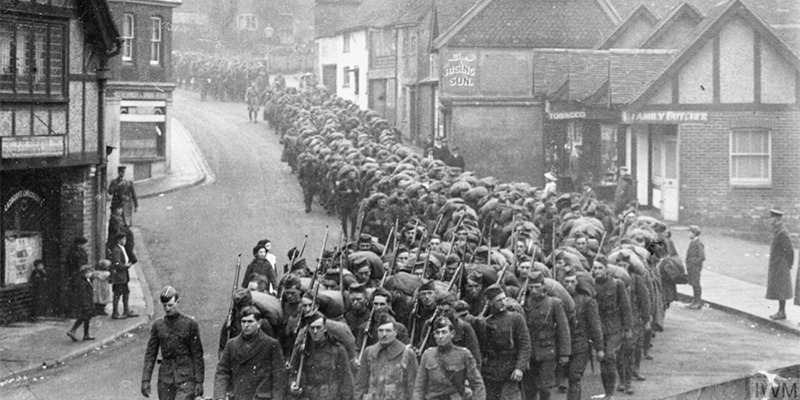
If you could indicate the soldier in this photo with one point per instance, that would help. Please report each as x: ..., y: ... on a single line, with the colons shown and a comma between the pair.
x: 325, y: 371
x: 253, y: 100
x: 348, y: 196
x: 614, y: 307
x: 625, y: 192
x: 251, y: 365
x: 388, y: 368
x: 585, y: 333
x: 423, y: 311
x: 472, y: 293
x: 781, y: 259
x: 505, y: 347
x: 631, y: 356
x: 182, y: 370
x: 123, y: 195
x: 445, y: 368
x: 308, y: 177
x: 356, y: 312
x: 463, y: 333
x: 549, y: 334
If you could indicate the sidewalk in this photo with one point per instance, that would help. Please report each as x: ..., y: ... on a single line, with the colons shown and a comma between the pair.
x: 734, y: 279
x: 27, y: 348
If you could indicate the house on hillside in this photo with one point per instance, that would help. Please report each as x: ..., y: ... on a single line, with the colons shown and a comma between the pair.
x: 54, y: 60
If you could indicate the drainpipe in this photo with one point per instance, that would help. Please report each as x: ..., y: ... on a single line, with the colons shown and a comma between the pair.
x: 101, y: 173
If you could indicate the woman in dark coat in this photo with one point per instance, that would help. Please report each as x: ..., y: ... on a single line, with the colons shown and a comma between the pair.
x: 83, y: 302
x: 260, y: 265
x: 781, y: 258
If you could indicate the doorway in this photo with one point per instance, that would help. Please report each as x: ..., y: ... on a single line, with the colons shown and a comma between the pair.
x: 664, y: 171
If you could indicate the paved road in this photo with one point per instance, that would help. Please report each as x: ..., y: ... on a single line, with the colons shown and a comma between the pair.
x: 193, y: 237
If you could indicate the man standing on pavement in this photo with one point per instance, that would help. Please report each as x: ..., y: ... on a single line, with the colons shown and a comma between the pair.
x: 550, y: 337
x: 781, y: 258
x: 388, y: 368
x: 695, y: 256
x: 614, y: 307
x: 123, y: 195
x: 120, y: 276
x: 251, y: 366
x: 505, y: 346
x: 181, y: 374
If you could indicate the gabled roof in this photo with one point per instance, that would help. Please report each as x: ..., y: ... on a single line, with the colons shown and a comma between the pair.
x: 704, y: 32
x: 550, y: 70
x: 449, y: 11
x: 416, y: 10
x: 329, y: 15
x: 631, y: 71
x: 531, y: 24
x: 99, y: 26
x: 375, y: 14
x: 641, y: 13
x: 671, y: 23
x: 774, y: 12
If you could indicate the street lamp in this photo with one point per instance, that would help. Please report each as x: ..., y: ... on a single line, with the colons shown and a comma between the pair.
x: 268, y: 32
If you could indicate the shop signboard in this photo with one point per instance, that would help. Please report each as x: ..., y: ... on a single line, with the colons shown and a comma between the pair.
x: 460, y: 72
x: 21, y: 251
x: 32, y: 146
x: 664, y: 117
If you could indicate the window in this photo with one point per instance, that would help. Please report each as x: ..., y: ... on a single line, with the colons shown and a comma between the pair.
x: 346, y: 42
x: 750, y: 156
x: 247, y: 22
x: 127, y: 37
x: 155, y: 41
x: 32, y: 58
x: 345, y: 77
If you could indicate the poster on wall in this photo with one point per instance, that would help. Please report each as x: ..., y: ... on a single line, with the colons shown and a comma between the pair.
x: 21, y: 252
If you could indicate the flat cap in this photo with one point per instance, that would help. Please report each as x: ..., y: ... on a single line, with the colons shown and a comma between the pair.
x: 775, y: 213
x: 695, y: 229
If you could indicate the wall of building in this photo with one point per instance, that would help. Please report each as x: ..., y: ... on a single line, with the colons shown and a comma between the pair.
x: 500, y: 140
x: 140, y: 69
x: 696, y: 78
x: 706, y: 194
x: 737, y: 60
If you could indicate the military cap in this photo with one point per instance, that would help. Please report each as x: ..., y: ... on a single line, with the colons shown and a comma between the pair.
x: 695, y: 229
x: 292, y: 253
x: 453, y: 259
x: 775, y: 213
x: 385, y: 318
x: 168, y: 292
x: 475, y: 276
x: 535, y: 276
x: 309, y: 318
x: 357, y: 288
x: 448, y: 298
x: 364, y: 238
x: 442, y: 322
x: 292, y: 281
x: 429, y: 285
x: 460, y: 306
x: 121, y: 168
x: 492, y: 291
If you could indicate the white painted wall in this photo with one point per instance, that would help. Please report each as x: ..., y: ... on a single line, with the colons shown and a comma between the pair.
x: 642, y: 159
x: 330, y: 50
x: 696, y: 78
x: 736, y: 62
x: 777, y: 78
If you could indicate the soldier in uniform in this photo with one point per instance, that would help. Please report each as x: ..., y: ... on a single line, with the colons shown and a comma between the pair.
x: 614, y: 308
x: 308, y: 176
x: 505, y: 346
x: 325, y: 371
x: 423, y: 311
x: 348, y: 196
x: 123, y: 195
x: 550, y: 337
x: 631, y: 356
x: 444, y: 369
x: 388, y: 368
x: 182, y: 370
x: 251, y: 365
x: 585, y: 333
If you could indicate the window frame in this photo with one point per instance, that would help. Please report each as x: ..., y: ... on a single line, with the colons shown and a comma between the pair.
x: 128, y: 42
x: 155, y: 43
x: 346, y: 38
x: 345, y: 77
x: 733, y: 154
x: 41, y: 59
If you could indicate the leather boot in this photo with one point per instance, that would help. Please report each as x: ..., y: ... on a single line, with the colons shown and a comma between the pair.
x: 128, y: 312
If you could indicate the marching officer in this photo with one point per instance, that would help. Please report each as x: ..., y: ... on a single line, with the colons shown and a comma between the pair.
x: 444, y: 369
x: 505, y: 346
x: 325, y: 369
x: 182, y: 370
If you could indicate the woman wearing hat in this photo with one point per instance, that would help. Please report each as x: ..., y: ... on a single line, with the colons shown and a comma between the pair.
x: 83, y: 302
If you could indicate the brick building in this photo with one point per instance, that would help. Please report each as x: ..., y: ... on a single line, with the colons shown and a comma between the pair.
x: 139, y: 96
x: 53, y: 69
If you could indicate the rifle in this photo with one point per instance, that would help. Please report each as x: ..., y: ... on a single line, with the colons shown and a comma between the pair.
x: 523, y: 291
x: 428, y: 256
x: 372, y: 310
x: 436, y: 313
x: 386, y: 246
x: 341, y: 265
x: 233, y: 290
x: 599, y: 249
x: 295, y: 257
x: 315, y: 287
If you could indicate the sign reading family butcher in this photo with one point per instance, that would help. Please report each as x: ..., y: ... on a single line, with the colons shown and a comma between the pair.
x: 664, y: 117
x: 460, y: 72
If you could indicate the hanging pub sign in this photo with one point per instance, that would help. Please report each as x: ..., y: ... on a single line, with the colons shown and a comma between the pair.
x: 664, y: 117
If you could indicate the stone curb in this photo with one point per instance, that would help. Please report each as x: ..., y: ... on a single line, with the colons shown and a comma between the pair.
x: 754, y: 318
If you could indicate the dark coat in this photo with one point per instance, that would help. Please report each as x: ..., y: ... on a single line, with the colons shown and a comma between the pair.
x: 76, y: 258
x: 82, y: 298
x: 586, y: 325
x: 119, y: 266
x: 781, y: 259
x: 261, y: 267
x: 505, y: 346
x: 549, y: 328
x: 251, y: 368
x: 181, y: 351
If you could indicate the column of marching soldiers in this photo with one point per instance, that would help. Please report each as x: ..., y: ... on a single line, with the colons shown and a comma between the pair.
x: 441, y: 285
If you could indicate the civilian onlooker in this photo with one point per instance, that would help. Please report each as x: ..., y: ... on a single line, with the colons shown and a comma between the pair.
x: 456, y: 159
x: 440, y: 150
x: 695, y: 256
x: 120, y: 264
x: 41, y: 292
x: 83, y: 302
x: 781, y: 260
x: 77, y: 256
x: 102, y: 291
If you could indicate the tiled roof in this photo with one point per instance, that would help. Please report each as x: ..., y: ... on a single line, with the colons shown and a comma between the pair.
x: 587, y: 71
x: 375, y: 13
x: 414, y: 12
x: 449, y: 11
x: 641, y: 13
x: 536, y: 24
x: 549, y: 70
x: 774, y: 12
x: 331, y: 15
x: 681, y: 20
x: 631, y: 72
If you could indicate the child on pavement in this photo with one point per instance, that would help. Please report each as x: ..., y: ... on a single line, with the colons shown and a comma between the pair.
x: 695, y: 256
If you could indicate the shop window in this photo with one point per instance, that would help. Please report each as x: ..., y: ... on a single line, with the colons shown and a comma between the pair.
x: 155, y: 41
x: 750, y: 156
x: 128, y: 26
x: 32, y: 59
x: 142, y: 130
